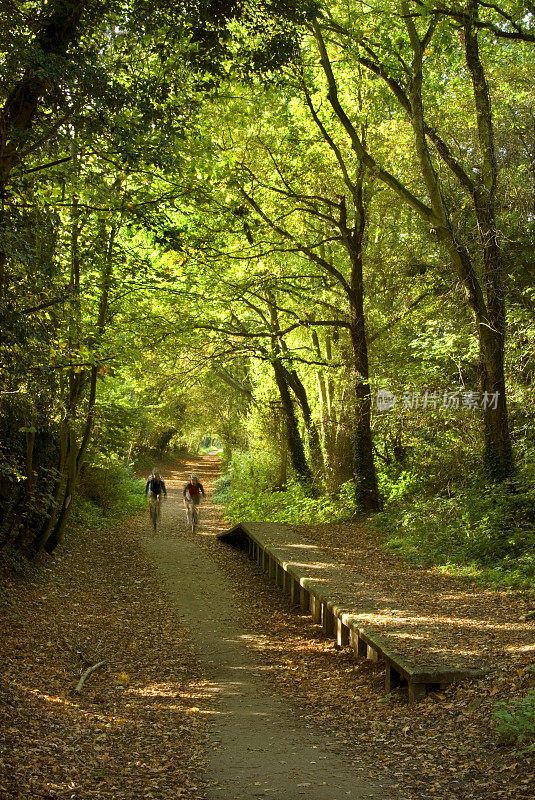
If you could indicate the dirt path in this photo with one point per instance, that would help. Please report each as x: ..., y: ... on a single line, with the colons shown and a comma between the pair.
x: 210, y: 672
x: 444, y: 748
x: 259, y: 745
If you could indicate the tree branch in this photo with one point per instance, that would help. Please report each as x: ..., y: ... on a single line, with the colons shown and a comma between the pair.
x: 421, y: 208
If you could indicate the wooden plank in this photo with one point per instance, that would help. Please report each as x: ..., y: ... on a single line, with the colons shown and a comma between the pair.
x: 358, y: 645
x: 342, y: 633
x: 315, y: 609
x: 286, y: 581
x: 271, y: 546
x: 393, y: 678
x: 304, y: 599
x: 294, y: 590
x: 272, y: 569
x: 372, y: 654
x: 416, y: 691
x: 327, y: 619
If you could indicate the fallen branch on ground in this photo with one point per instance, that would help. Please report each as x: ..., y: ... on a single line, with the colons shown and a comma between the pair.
x: 86, y: 675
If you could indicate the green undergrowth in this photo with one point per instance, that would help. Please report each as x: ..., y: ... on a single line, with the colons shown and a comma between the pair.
x: 515, y: 721
x: 13, y: 562
x: 462, y: 526
x: 248, y: 490
x: 107, y: 494
x: 471, y: 528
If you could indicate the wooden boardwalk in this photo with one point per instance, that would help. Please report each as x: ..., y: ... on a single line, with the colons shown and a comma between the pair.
x: 333, y: 595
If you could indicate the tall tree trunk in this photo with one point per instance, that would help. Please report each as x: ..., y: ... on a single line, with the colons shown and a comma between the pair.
x: 74, y: 462
x: 334, y: 454
x: 316, y: 455
x: 58, y: 490
x: 366, y: 490
x: 487, y: 302
x: 55, y: 531
x: 488, y: 309
x: 283, y: 454
x: 498, y: 454
x: 295, y: 443
x: 367, y: 493
x: 73, y: 453
x: 59, y: 29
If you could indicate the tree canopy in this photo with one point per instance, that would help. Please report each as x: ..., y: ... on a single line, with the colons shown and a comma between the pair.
x: 303, y: 227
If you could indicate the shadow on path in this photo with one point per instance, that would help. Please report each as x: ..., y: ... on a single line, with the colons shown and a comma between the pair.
x: 259, y: 745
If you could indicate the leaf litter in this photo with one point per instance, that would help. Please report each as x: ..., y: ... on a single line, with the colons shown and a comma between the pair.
x: 133, y: 730
x: 138, y: 727
x: 443, y: 747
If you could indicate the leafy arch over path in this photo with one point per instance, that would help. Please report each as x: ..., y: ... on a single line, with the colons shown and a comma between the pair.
x: 249, y: 217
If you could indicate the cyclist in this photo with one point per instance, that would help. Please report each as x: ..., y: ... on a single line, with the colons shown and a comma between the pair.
x: 192, y: 497
x: 155, y: 485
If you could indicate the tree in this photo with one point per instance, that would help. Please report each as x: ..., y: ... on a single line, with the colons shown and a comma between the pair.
x: 92, y: 109
x: 485, y: 296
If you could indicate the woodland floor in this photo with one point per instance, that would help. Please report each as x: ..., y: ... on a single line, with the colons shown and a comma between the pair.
x: 153, y: 722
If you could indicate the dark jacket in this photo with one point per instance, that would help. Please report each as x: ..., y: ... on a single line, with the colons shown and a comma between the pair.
x: 155, y: 485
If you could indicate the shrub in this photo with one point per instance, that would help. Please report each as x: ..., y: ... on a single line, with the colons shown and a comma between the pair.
x: 248, y: 490
x: 485, y: 531
x: 16, y: 562
x: 106, y: 494
x: 515, y: 721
